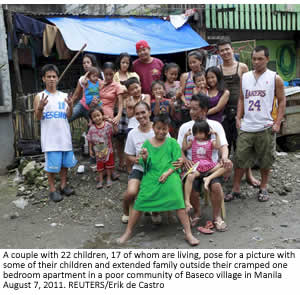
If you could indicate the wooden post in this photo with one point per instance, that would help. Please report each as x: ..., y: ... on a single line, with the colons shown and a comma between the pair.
x: 70, y: 63
x: 14, y: 53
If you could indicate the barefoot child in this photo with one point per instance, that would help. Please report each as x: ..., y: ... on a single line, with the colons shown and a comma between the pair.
x: 53, y: 108
x: 200, y: 82
x: 100, y: 144
x: 161, y: 188
x: 202, y: 147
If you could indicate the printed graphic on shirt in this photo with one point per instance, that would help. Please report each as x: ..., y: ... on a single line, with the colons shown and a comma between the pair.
x: 56, y: 114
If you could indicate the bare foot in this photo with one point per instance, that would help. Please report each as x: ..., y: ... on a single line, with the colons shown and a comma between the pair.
x: 206, y: 182
x: 253, y: 181
x: 191, y: 240
x: 124, y: 238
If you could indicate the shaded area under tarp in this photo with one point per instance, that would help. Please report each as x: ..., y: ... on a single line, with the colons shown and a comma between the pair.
x: 111, y: 35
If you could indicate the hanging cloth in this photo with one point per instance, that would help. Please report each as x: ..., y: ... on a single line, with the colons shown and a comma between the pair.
x: 49, y: 36
x: 27, y: 25
x: 52, y: 35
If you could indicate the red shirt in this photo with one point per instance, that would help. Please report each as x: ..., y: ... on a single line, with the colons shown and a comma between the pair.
x: 148, y: 72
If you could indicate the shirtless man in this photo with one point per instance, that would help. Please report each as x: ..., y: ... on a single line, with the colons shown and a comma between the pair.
x: 232, y: 71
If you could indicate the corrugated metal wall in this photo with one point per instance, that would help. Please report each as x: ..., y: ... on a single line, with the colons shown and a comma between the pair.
x: 272, y: 17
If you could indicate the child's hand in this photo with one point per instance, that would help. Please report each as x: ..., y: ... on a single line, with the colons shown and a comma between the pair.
x: 164, y: 177
x: 144, y: 154
x: 95, y: 101
x: 178, y: 164
x: 178, y: 92
x: 157, y: 97
x: 187, y: 104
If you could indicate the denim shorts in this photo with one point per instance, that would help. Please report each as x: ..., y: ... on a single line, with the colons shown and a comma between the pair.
x: 79, y: 111
x: 135, y: 174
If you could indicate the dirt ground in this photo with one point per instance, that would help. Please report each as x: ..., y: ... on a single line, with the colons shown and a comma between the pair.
x: 91, y: 218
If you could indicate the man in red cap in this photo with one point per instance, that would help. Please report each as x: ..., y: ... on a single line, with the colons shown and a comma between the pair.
x: 147, y: 67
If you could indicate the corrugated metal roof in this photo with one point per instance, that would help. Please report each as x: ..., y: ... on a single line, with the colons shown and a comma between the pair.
x: 271, y: 17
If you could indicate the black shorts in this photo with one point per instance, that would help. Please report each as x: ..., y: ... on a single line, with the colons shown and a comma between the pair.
x: 198, y: 181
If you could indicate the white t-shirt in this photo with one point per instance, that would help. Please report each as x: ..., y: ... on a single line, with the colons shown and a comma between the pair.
x: 134, y: 142
x: 133, y: 122
x: 55, y: 128
x: 259, y: 98
x: 214, y: 125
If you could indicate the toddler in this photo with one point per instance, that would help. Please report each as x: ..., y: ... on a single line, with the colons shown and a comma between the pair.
x: 100, y: 144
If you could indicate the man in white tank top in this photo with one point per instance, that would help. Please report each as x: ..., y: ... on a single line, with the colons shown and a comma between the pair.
x: 256, y: 140
x: 53, y: 108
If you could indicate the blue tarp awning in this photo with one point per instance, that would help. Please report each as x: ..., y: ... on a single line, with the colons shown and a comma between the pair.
x: 111, y: 35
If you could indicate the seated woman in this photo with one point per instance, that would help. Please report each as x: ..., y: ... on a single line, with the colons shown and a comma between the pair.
x: 161, y: 187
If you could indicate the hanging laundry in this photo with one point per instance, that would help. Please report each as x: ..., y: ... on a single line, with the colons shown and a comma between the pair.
x: 27, y: 25
x: 49, y: 36
x: 63, y: 51
x: 52, y: 35
x: 213, y: 61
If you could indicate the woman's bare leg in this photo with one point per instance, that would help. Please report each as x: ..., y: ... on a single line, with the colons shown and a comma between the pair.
x: 183, y: 217
x: 133, y: 219
x: 130, y: 194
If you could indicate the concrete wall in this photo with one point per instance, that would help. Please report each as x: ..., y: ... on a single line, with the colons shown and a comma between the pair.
x: 6, y: 126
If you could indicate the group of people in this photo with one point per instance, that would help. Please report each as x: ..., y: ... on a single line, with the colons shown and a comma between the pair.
x: 169, y: 134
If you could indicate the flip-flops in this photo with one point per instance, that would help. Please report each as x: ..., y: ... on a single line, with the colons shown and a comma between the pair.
x: 207, y: 229
x: 231, y: 196
x: 220, y: 225
x: 108, y: 183
x: 99, y: 185
x: 263, y: 195
x: 204, y: 230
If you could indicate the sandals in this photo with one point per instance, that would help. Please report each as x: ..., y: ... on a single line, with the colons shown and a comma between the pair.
x: 231, y: 196
x: 99, y: 185
x: 207, y: 229
x: 263, y: 195
x: 220, y: 225
x: 125, y: 219
x: 108, y: 183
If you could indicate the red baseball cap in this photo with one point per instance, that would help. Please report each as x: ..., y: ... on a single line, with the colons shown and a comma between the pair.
x: 141, y: 44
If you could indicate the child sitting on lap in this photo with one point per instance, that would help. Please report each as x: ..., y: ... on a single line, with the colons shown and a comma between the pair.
x: 202, y: 147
